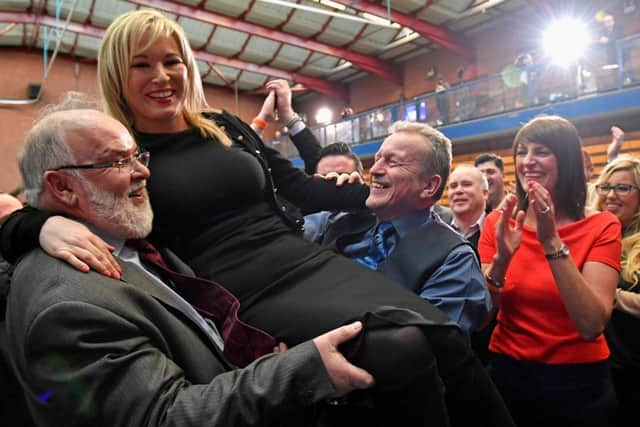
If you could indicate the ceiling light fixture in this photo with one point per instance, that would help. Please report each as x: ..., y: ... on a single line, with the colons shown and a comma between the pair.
x: 331, y: 4
x: 320, y: 11
x: 379, y: 20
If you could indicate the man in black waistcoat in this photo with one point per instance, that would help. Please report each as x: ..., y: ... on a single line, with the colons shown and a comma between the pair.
x: 403, y: 238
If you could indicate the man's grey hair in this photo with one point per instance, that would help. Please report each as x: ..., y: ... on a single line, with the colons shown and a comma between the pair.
x: 45, y: 147
x: 483, y: 179
x: 438, y: 161
x: 71, y: 100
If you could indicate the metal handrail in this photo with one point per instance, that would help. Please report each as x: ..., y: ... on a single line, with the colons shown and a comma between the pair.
x: 513, y: 89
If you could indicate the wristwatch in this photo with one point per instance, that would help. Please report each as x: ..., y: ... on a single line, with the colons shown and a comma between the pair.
x: 493, y: 282
x: 562, y: 252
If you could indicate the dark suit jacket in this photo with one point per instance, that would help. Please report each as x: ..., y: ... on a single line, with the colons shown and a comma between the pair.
x: 309, y: 149
x: 13, y: 410
x: 474, y: 239
x: 90, y: 350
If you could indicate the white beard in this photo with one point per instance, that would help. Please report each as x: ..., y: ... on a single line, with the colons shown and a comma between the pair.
x: 132, y: 221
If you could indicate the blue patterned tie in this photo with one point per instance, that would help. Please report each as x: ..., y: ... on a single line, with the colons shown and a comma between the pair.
x: 378, y: 250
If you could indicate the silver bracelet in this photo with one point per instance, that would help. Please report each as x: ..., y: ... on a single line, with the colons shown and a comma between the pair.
x: 562, y: 252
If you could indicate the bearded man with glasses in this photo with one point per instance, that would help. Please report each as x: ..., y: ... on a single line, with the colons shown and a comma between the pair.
x: 91, y: 350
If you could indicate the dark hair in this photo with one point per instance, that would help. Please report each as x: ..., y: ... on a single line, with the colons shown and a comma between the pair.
x: 341, y: 149
x: 489, y: 157
x: 561, y: 137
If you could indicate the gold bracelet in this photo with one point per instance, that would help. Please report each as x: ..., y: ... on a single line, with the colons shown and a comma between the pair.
x: 293, y: 120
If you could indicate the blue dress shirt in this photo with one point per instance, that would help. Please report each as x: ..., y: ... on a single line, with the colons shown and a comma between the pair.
x: 315, y: 224
x: 457, y: 287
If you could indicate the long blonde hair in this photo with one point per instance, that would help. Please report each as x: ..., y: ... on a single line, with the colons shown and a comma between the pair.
x: 631, y: 242
x: 114, y: 60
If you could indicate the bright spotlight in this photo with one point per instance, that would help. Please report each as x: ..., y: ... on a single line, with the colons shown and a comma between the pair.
x: 565, y: 41
x: 324, y: 116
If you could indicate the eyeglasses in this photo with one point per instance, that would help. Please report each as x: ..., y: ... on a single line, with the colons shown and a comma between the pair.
x: 130, y: 162
x: 620, y: 189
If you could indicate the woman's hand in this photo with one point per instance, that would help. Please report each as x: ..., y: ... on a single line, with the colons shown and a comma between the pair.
x: 73, y: 243
x: 508, y: 236
x: 617, y: 135
x: 341, y: 178
x: 542, y: 205
x: 282, y: 98
x: 280, y: 348
x: 268, y: 107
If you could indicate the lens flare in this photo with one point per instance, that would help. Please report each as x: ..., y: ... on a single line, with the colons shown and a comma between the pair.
x: 566, y: 41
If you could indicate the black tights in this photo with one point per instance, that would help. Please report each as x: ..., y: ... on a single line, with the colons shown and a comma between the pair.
x: 393, y: 355
x: 408, y: 391
x: 412, y: 367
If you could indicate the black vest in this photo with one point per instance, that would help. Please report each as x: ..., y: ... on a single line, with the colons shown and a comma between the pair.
x: 415, y: 257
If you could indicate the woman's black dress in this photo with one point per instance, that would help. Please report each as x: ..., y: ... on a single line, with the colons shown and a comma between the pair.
x: 212, y: 207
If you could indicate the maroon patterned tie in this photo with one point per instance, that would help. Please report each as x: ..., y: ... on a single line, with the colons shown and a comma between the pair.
x: 242, y: 343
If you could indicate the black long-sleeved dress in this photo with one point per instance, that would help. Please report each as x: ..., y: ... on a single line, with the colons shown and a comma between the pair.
x: 218, y: 209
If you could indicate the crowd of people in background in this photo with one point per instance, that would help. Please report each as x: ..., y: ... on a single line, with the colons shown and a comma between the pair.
x: 523, y: 82
x: 170, y: 268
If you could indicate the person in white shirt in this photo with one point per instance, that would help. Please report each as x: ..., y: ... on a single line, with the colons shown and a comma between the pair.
x: 468, y: 193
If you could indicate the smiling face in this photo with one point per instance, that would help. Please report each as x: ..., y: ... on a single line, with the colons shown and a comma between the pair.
x: 624, y: 207
x: 495, y: 179
x: 536, y: 162
x: 467, y: 195
x: 540, y: 148
x: 156, y: 86
x: 398, y: 184
x: 113, y: 199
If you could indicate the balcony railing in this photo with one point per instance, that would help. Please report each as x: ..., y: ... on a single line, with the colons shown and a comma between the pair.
x: 513, y: 89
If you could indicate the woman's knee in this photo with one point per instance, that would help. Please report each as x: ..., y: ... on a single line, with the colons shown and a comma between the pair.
x: 395, y: 356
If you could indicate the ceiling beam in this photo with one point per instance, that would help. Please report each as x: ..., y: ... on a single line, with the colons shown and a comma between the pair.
x: 444, y: 37
x: 323, y: 86
x: 427, y: 5
x: 50, y: 21
x: 365, y: 62
x: 313, y: 83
